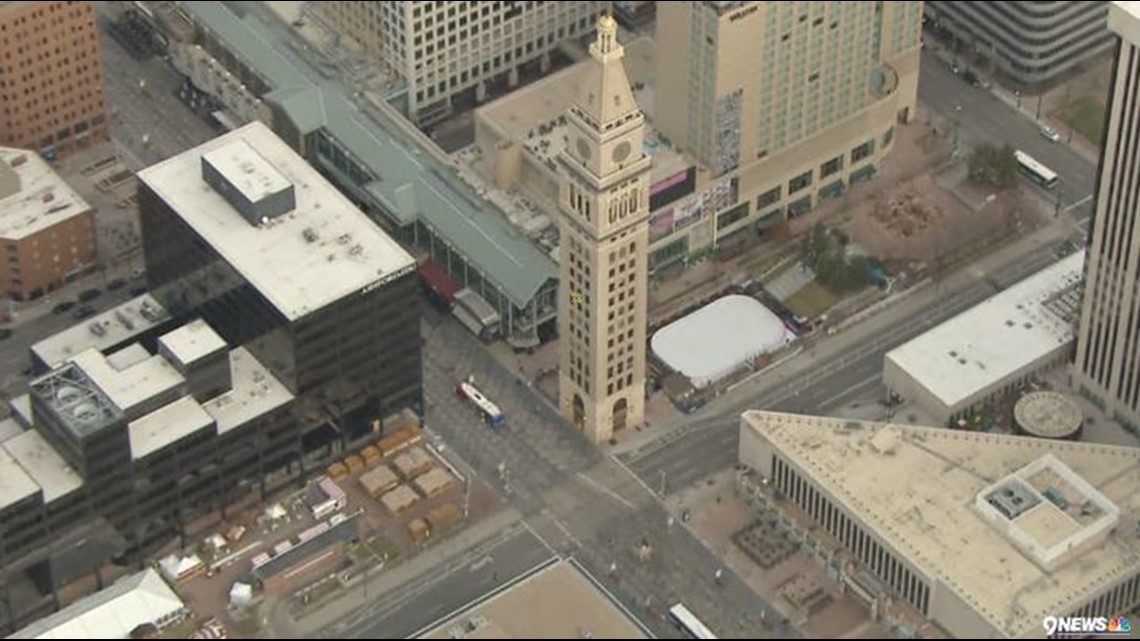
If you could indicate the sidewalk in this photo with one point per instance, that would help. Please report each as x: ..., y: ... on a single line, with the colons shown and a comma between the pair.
x: 348, y: 599
x: 828, y: 347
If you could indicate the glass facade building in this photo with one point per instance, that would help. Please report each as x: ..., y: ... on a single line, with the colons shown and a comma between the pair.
x: 352, y: 361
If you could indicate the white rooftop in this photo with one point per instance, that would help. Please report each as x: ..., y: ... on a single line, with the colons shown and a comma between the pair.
x: 247, y: 170
x: 988, y: 342
x: 15, y: 484
x: 10, y: 427
x: 916, y: 488
x: 100, y: 332
x: 111, y: 613
x: 254, y: 391
x: 166, y: 425
x: 718, y: 338
x: 192, y: 341
x: 22, y: 409
x: 43, y: 199
x: 128, y: 356
x: 43, y: 465
x: 133, y: 385
x: 320, y: 252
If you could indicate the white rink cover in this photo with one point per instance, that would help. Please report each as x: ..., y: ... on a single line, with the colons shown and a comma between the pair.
x: 719, y: 338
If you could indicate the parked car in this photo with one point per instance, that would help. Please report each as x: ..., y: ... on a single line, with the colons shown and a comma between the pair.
x: 138, y: 291
x: 5, y: 333
x: 84, y: 311
x: 64, y: 307
x: 118, y: 283
x: 1051, y: 134
x: 88, y: 295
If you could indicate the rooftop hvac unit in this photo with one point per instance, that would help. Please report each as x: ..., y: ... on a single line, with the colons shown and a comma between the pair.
x: 68, y: 394
x: 85, y: 412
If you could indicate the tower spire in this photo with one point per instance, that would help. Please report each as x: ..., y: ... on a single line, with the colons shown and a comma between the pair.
x: 604, y: 95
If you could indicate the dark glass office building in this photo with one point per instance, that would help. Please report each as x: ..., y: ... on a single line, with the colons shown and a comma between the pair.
x: 291, y: 270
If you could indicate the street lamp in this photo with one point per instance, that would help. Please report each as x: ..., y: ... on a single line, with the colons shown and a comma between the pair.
x: 1017, y: 94
x: 1039, y: 97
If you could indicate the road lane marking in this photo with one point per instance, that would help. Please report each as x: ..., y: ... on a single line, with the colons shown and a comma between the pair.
x: 634, y: 476
x: 1073, y: 206
x: 604, y: 490
x: 864, y: 383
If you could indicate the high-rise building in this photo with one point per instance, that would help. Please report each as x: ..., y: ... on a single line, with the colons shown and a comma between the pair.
x: 52, y: 89
x: 451, y: 51
x: 1033, y: 42
x: 604, y: 201
x: 1107, y: 364
x: 783, y: 104
x: 243, y: 232
x: 48, y: 230
x: 743, y: 81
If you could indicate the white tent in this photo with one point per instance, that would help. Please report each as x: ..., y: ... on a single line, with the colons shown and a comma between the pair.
x: 175, y: 568
x: 112, y: 613
x: 241, y: 594
x: 275, y: 511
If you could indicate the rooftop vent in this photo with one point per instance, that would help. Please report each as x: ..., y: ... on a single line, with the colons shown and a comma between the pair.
x: 85, y: 412
x: 19, y: 160
x: 68, y: 394
x: 310, y: 235
x: 48, y: 197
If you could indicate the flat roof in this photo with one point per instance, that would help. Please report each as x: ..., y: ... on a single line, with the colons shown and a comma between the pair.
x: 247, y: 171
x: 166, y: 425
x: 718, y: 338
x: 558, y: 602
x: 534, y: 115
x: 983, y: 345
x: 111, y: 613
x: 43, y: 465
x: 22, y: 409
x: 916, y: 488
x: 128, y: 387
x: 116, y: 325
x: 15, y: 484
x: 254, y: 391
x: 192, y: 341
x: 42, y: 200
x: 10, y: 427
x: 1124, y: 19
x: 323, y: 250
x: 128, y: 356
x: 408, y: 183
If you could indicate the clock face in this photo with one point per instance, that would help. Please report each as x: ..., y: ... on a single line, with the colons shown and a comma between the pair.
x: 621, y: 152
x: 583, y: 149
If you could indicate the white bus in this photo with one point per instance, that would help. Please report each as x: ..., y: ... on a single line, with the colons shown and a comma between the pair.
x: 1039, y: 173
x: 690, y: 623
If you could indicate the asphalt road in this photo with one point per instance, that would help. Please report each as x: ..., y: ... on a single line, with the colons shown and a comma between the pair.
x: 580, y: 503
x: 447, y: 589
x: 147, y: 118
x: 709, y: 443
x: 983, y: 117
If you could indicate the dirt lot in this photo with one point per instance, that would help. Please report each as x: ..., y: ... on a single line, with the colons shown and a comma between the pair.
x: 921, y: 219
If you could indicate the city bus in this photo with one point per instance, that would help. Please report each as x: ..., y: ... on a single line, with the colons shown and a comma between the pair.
x: 491, y: 412
x: 690, y: 623
x: 1037, y: 172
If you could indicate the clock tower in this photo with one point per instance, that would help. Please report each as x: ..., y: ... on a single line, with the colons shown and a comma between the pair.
x: 604, y: 237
